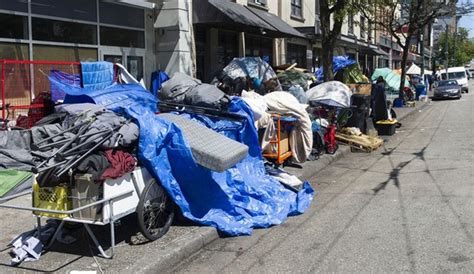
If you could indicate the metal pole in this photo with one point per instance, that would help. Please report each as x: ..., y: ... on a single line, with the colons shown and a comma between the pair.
x: 422, y: 67
x: 446, y: 57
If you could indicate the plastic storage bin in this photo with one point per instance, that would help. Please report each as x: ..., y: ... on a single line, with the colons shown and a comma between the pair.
x: 386, y: 127
x: 85, y: 192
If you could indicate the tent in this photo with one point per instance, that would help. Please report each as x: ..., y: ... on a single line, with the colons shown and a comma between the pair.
x: 416, y: 70
x: 391, y: 78
x: 332, y: 93
x: 254, y: 67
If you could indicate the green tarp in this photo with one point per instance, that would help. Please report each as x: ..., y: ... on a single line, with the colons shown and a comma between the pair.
x: 9, y: 179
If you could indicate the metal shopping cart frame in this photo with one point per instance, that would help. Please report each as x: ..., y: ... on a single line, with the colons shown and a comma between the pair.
x: 141, y: 187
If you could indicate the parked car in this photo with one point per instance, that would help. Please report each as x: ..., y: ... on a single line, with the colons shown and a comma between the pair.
x: 459, y: 74
x: 447, y: 89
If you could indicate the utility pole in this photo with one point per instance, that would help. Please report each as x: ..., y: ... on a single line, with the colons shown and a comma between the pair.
x: 446, y: 55
x: 422, y: 67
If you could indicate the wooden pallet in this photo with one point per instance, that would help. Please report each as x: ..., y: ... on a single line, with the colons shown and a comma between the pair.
x: 363, y: 142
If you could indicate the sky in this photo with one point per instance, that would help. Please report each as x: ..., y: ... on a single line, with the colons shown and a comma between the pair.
x: 467, y: 21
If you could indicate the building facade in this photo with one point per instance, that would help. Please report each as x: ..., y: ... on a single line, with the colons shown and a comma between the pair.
x: 80, y: 30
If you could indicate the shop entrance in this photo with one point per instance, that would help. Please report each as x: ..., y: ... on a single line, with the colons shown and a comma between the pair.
x: 131, y: 58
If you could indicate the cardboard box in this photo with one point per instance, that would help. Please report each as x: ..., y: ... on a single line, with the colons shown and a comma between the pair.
x: 284, y: 144
x: 360, y: 88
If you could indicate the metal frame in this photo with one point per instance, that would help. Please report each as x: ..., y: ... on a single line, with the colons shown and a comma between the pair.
x: 86, y: 223
x: 280, y: 156
x: 31, y: 64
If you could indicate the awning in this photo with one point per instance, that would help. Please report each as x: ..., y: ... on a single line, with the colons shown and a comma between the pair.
x: 276, y: 22
x: 231, y: 15
x: 135, y: 3
x: 240, y: 14
x: 373, y: 51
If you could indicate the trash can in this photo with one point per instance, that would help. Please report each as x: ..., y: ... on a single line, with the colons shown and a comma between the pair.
x: 420, y: 90
x: 360, y: 107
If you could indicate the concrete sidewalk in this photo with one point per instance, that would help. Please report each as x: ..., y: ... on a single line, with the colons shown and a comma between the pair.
x: 182, y: 240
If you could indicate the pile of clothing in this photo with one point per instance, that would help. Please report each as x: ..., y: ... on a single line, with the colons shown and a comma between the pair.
x: 83, y: 137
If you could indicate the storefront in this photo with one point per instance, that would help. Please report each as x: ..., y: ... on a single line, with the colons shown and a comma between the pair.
x: 79, y: 30
x: 224, y: 30
x: 296, y: 53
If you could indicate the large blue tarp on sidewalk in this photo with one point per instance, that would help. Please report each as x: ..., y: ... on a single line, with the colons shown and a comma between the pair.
x: 234, y: 201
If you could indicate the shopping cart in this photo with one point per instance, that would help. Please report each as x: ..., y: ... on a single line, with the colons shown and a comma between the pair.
x: 136, y: 191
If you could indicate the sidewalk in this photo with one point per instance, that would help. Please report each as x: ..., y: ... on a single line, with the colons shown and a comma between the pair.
x: 180, y: 242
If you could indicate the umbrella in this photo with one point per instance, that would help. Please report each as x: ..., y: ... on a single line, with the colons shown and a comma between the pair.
x: 391, y: 78
x: 333, y: 93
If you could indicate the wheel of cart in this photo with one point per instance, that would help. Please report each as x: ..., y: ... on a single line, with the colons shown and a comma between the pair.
x: 155, y: 211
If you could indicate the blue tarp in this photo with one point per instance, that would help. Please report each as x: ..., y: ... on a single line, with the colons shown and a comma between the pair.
x: 57, y: 94
x: 157, y: 79
x: 338, y: 63
x: 234, y: 201
x: 97, y: 75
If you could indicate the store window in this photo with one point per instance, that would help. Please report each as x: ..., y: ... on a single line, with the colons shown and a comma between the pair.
x: 66, y: 54
x: 362, y: 27
x: 262, y: 3
x: 13, y: 26
x: 296, y: 54
x: 227, y: 48
x: 296, y: 8
x: 350, y: 24
x: 85, y: 10
x: 14, y: 51
x: 201, y: 53
x: 122, y: 37
x: 62, y: 31
x: 14, y: 5
x: 259, y: 47
x: 121, y: 15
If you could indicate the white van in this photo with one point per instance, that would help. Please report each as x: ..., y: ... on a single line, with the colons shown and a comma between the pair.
x: 458, y: 74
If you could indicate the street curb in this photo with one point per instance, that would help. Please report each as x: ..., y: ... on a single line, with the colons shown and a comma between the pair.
x: 192, y: 242
x: 183, y: 248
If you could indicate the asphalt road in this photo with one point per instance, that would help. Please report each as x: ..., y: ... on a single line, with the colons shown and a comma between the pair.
x: 407, y: 207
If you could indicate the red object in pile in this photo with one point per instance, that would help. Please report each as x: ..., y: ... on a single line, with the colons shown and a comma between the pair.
x: 39, y: 108
x: 330, y: 139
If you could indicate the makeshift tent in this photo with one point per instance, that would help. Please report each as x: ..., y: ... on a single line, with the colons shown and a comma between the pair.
x: 391, y: 78
x: 338, y: 64
x: 292, y: 77
x: 254, y: 67
x: 416, y: 70
x: 236, y: 200
x: 333, y: 93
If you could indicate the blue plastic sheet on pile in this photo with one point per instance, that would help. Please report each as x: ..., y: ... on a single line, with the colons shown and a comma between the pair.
x: 338, y: 63
x: 97, y: 75
x: 234, y: 201
x: 157, y: 79
x: 57, y: 94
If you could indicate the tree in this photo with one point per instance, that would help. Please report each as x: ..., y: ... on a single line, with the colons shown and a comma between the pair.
x: 460, y: 48
x: 337, y: 10
x: 407, y: 18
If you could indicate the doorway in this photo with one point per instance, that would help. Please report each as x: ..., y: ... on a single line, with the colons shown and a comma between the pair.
x: 130, y: 58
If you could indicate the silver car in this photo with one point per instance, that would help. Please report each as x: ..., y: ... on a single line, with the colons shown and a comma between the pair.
x: 447, y: 89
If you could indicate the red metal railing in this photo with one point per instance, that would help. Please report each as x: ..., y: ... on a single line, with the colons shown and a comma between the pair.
x: 26, y: 91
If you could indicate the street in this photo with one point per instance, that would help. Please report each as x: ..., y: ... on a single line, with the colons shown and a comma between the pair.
x: 407, y: 207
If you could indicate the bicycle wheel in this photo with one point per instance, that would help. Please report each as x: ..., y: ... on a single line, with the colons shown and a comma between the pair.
x: 155, y: 211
